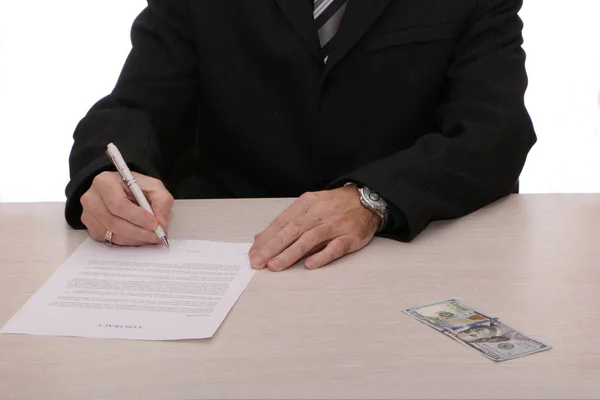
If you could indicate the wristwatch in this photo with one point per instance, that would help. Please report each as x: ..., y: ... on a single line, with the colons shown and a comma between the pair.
x: 372, y: 201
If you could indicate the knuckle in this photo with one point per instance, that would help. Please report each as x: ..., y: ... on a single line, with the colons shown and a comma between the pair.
x: 338, y: 221
x: 294, y: 229
x: 297, y: 250
x: 308, y: 197
x: 322, y: 233
x: 102, y: 178
x: 85, y: 200
x: 97, y: 181
x: 279, y: 221
x: 328, y: 229
x: 312, y: 238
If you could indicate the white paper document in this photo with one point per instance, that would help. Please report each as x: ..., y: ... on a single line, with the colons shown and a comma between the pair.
x: 147, y: 293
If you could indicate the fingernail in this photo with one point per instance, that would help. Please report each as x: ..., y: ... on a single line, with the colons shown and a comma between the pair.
x: 257, y: 262
x: 275, y: 265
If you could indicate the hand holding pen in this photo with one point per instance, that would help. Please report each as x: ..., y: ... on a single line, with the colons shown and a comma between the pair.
x: 134, y: 187
x: 111, y: 215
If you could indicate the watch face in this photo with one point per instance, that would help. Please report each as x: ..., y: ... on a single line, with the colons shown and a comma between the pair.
x: 372, y: 195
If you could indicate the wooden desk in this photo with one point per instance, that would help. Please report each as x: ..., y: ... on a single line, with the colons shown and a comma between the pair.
x: 533, y: 261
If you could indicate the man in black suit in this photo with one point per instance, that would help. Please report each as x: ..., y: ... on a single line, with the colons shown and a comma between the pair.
x: 382, y: 115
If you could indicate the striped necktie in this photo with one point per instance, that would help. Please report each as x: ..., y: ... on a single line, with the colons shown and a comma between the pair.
x: 328, y: 15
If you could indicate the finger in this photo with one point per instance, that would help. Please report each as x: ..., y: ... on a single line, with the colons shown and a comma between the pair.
x: 158, y: 196
x: 97, y: 231
x: 117, y: 203
x: 263, y: 254
x: 297, y: 208
x: 148, y: 183
x: 123, y: 241
x: 305, y: 245
x: 338, y: 247
x: 162, y: 203
x: 117, y: 225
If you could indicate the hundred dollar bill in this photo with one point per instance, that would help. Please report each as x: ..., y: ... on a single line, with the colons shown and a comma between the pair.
x: 485, y: 334
x: 451, y: 315
x: 498, y: 341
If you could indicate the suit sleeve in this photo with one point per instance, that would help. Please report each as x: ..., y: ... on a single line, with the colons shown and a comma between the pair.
x: 149, y: 114
x: 484, y: 133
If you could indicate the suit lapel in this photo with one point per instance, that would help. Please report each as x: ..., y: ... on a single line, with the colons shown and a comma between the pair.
x: 299, y: 14
x: 359, y: 16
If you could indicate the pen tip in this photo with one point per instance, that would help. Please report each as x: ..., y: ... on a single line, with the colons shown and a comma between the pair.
x: 166, y: 242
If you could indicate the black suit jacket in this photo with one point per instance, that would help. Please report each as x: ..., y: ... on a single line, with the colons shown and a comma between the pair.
x: 421, y: 100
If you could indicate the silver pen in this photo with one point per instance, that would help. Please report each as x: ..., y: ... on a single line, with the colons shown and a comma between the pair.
x: 115, y: 155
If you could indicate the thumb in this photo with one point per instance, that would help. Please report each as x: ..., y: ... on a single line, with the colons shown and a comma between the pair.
x: 162, y: 203
x: 159, y: 197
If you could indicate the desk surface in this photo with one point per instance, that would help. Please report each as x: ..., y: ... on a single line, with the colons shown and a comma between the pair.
x: 532, y: 260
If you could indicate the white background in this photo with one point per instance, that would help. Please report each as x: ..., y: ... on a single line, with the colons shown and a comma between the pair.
x: 57, y: 58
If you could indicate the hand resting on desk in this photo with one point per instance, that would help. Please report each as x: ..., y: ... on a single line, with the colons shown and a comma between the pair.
x: 325, y: 225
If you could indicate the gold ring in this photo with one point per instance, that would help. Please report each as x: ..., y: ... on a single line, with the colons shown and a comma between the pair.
x: 108, y: 239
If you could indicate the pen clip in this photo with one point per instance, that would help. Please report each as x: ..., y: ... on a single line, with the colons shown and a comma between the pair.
x: 117, y: 159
